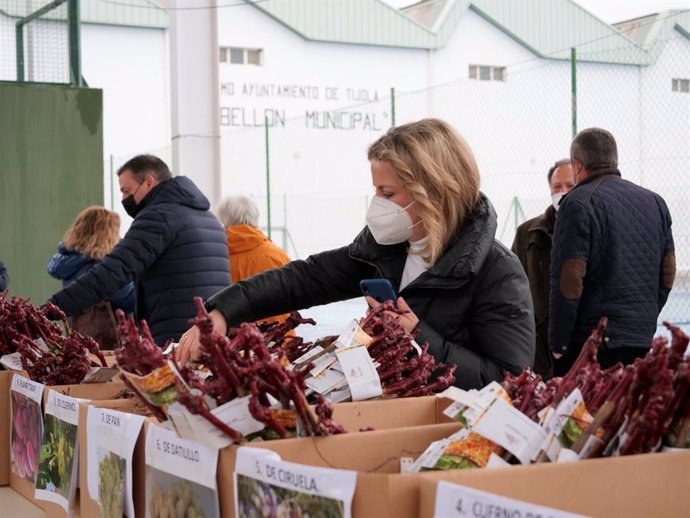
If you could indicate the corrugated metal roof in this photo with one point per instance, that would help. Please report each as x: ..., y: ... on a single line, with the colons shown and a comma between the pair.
x: 364, y: 22
x: 130, y: 13
x: 560, y: 25
x: 548, y: 28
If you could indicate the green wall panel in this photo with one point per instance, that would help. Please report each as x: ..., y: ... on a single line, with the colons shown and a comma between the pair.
x: 51, y: 167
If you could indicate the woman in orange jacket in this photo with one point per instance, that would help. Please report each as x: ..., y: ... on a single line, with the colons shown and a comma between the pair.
x: 251, y: 251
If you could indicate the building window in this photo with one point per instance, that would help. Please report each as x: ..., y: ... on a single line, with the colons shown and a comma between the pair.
x: 680, y: 85
x: 239, y: 56
x: 487, y: 73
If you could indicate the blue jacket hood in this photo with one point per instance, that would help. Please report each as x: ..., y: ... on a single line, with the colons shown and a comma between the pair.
x: 177, y: 190
x: 68, y: 264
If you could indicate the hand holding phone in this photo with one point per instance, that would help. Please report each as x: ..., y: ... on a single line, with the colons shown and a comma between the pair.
x: 380, y: 290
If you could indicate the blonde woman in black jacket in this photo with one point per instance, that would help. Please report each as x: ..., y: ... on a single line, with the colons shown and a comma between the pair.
x: 432, y: 234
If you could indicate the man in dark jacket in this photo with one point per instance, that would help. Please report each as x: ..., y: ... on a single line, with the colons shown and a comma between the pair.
x: 174, y: 250
x: 4, y: 277
x: 532, y: 245
x: 613, y: 256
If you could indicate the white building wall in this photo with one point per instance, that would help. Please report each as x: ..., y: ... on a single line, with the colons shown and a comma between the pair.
x: 130, y: 65
x: 320, y: 170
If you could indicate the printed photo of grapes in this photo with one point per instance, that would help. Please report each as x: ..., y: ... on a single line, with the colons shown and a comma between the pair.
x: 257, y: 499
x: 111, y: 484
x: 171, y: 496
x: 25, y: 439
x: 57, y: 456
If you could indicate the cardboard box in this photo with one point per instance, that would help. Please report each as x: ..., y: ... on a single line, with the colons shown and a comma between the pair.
x: 382, y: 492
x: 382, y: 414
x: 655, y: 484
x: 5, y: 378
x: 94, y: 391
x: 89, y: 507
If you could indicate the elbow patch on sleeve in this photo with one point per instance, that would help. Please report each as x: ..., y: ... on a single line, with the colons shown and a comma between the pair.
x: 668, y: 270
x: 572, y: 278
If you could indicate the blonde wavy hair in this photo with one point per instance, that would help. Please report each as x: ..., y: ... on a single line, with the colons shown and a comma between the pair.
x: 435, y: 164
x: 94, y: 233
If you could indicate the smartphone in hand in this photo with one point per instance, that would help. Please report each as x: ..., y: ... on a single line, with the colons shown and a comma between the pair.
x: 380, y: 290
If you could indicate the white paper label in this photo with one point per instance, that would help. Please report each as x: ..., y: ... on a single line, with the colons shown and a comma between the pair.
x: 338, y: 396
x: 100, y: 374
x: 430, y: 456
x: 234, y: 413
x: 111, y: 436
x: 41, y: 344
x: 63, y: 407
x: 308, y: 355
x: 348, y: 335
x: 326, y: 381
x: 362, y: 377
x: 456, y: 501
x: 61, y: 426
x: 12, y: 362
x: 406, y: 464
x: 557, y: 419
x: 323, y: 364
x: 434, y: 451
x: 551, y: 446
x: 30, y: 389
x: 188, y: 460
x: 508, y: 427
x: 567, y: 455
x: 496, y: 462
x: 260, y: 472
x: 464, y: 398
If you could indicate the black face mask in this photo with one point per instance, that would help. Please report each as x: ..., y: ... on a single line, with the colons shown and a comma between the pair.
x: 131, y: 207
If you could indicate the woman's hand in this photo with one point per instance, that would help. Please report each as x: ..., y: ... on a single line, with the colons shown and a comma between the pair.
x: 408, y: 319
x: 188, y: 348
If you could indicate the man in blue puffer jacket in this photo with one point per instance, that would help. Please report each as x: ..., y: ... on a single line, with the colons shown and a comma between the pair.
x: 612, y: 256
x: 175, y: 250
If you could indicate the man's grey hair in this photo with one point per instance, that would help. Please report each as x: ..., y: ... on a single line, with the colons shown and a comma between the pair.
x: 595, y: 148
x: 238, y: 210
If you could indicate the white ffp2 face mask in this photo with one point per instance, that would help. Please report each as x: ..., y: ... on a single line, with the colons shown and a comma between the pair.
x: 556, y: 199
x: 388, y: 222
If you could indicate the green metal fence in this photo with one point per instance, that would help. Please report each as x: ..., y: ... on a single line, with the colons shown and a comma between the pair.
x: 518, y: 127
x: 45, y: 37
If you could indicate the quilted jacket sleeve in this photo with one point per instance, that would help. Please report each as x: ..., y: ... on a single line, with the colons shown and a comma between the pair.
x: 145, y: 240
x: 668, y: 262
x: 320, y: 279
x: 569, y: 256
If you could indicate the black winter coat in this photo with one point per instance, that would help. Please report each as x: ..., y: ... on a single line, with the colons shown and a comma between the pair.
x: 174, y: 250
x: 612, y: 256
x: 4, y: 277
x: 532, y: 245
x: 474, y: 304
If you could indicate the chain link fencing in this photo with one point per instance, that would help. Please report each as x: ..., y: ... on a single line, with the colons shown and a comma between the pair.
x: 34, y: 41
x: 518, y: 121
